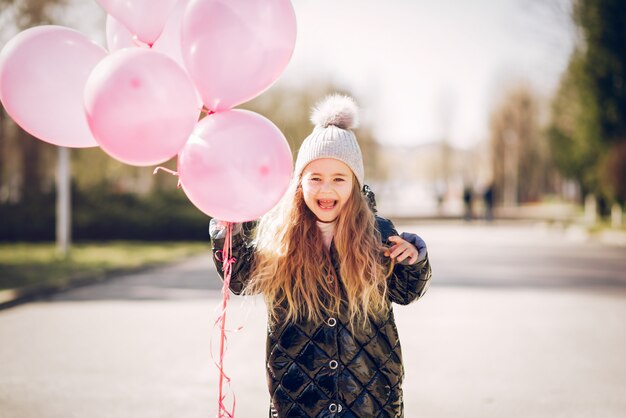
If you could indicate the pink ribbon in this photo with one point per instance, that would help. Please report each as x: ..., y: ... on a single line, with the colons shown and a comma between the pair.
x: 167, y: 170
x: 224, y: 256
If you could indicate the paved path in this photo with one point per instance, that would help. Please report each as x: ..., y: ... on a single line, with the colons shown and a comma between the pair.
x: 519, y: 322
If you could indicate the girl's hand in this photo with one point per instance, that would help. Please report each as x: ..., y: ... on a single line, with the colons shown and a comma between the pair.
x: 401, y: 250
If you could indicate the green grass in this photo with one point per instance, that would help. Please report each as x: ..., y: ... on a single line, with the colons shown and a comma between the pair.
x: 25, y: 264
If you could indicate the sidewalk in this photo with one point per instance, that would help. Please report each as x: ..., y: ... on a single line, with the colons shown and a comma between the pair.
x: 16, y: 296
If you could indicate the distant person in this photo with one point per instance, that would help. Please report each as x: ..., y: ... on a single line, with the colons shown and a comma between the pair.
x: 488, y: 198
x: 440, y: 190
x: 329, y: 270
x: 468, y: 196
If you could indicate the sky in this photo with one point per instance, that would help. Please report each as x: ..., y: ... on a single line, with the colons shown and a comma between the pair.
x: 421, y: 70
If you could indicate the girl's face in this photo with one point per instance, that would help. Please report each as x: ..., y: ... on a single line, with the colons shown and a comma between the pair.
x: 326, y: 186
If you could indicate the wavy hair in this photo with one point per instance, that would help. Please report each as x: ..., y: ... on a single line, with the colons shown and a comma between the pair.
x: 293, y: 268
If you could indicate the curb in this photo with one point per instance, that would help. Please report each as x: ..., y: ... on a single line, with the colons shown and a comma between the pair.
x: 17, y: 296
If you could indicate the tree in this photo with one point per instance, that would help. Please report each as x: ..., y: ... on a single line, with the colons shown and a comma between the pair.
x: 602, y: 25
x: 588, y: 126
x: 574, y: 132
x: 521, y: 163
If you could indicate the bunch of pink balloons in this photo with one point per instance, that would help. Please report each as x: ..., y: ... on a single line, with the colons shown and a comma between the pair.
x: 140, y: 101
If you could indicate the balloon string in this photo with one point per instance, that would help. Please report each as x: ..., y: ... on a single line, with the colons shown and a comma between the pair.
x: 227, y: 261
x: 167, y: 170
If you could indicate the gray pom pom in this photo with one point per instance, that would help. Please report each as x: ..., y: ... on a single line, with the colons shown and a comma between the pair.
x: 338, y: 110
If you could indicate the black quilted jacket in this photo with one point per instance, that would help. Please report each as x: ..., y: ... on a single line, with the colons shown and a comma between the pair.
x: 324, y: 369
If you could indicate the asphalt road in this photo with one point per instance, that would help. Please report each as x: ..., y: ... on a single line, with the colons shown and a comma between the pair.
x: 520, y: 321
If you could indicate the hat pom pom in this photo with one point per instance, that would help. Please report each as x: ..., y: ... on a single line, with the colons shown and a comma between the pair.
x: 337, y: 110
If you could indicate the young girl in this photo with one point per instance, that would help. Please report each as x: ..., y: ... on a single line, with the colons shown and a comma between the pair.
x: 329, y: 270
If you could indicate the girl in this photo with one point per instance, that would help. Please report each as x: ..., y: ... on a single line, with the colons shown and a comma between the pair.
x: 329, y: 270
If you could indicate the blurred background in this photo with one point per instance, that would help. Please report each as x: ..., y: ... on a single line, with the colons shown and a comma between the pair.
x: 519, y: 105
x: 495, y: 129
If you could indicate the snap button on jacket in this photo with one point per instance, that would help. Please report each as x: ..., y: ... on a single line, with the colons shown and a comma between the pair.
x: 328, y: 369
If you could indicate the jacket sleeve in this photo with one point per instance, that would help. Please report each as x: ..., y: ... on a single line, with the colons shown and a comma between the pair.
x: 407, y: 283
x: 242, y: 252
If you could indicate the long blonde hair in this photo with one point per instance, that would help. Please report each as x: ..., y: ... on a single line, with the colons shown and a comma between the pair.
x: 293, y: 268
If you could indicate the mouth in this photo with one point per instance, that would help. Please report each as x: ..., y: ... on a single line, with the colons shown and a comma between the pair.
x: 326, y: 204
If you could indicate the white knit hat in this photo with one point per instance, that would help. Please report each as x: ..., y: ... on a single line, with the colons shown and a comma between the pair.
x: 333, y: 117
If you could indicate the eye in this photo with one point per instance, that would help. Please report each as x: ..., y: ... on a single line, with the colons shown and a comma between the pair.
x: 339, y: 179
x: 316, y: 179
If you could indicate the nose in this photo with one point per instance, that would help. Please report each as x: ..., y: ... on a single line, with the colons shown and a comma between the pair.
x: 325, y: 187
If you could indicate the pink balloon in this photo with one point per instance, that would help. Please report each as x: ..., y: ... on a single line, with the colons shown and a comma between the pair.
x: 118, y: 37
x: 169, y: 41
x: 236, y: 165
x: 140, y: 105
x: 144, y: 18
x: 43, y: 71
x: 236, y: 49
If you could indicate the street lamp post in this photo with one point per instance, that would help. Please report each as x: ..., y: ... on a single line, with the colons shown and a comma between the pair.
x: 63, y: 213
